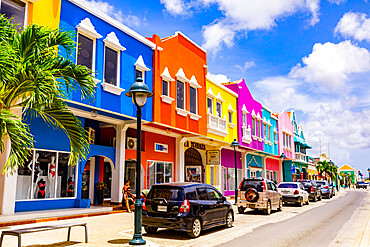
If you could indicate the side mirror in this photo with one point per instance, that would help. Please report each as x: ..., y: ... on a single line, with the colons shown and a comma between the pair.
x: 223, y: 199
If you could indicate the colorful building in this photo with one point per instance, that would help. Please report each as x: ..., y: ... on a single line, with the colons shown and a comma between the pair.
x: 271, y: 145
x: 179, y: 104
x: 118, y: 55
x: 301, y: 160
x: 222, y: 127
x: 286, y: 146
x: 348, y: 173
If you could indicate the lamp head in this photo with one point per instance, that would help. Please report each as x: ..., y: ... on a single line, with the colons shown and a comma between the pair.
x: 283, y: 156
x: 235, y: 143
x: 139, y: 92
x: 331, y: 163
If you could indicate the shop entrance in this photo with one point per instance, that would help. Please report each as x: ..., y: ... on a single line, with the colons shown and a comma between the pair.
x: 193, y: 166
x: 130, y: 174
x: 107, y: 178
x: 85, y: 181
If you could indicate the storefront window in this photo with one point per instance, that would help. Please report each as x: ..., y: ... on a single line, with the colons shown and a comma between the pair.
x: 159, y: 172
x: 225, y: 178
x: 38, y: 177
x: 212, y: 175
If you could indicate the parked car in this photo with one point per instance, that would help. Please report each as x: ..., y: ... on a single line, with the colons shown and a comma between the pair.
x: 190, y: 207
x: 313, y: 189
x: 326, y: 189
x: 259, y: 193
x: 361, y: 185
x: 293, y: 192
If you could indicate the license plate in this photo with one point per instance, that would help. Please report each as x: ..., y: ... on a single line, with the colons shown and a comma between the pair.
x: 162, y: 208
x: 285, y: 192
x: 252, y: 206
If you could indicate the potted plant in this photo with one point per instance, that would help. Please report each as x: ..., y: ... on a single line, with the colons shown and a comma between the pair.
x: 100, y: 187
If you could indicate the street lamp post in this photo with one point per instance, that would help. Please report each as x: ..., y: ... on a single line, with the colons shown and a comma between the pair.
x: 283, y: 157
x: 139, y: 92
x: 235, y: 144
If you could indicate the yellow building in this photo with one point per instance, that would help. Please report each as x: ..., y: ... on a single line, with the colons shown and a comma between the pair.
x: 221, y: 128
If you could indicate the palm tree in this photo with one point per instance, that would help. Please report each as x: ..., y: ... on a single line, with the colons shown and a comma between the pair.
x: 35, y: 79
x: 324, y: 167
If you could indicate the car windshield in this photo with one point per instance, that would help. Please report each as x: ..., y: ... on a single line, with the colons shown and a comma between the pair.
x: 168, y: 193
x: 288, y: 186
x: 256, y: 184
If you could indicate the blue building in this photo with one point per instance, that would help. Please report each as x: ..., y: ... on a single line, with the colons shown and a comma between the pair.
x: 117, y: 55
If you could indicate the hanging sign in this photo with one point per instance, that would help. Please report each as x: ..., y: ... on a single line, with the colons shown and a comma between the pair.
x: 213, y: 157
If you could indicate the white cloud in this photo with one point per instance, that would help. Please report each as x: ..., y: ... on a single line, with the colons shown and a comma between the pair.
x: 246, y: 66
x: 107, y: 8
x: 354, y: 25
x: 175, y: 7
x: 330, y: 65
x: 241, y: 16
x: 337, y: 2
x: 219, y: 78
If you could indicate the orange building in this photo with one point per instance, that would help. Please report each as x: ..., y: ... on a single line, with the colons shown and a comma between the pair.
x: 179, y: 103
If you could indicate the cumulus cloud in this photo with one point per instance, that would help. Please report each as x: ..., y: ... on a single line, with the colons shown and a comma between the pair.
x: 246, y: 66
x: 107, y: 8
x: 330, y: 65
x: 217, y: 78
x: 354, y: 25
x: 176, y: 7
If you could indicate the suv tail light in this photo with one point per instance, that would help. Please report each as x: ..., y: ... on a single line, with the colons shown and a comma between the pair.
x: 296, y: 192
x: 264, y: 185
x: 240, y: 185
x: 144, y: 205
x: 325, y: 187
x: 312, y: 189
x: 185, y: 206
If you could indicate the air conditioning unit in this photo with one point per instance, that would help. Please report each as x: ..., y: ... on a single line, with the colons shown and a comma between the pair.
x: 131, y: 143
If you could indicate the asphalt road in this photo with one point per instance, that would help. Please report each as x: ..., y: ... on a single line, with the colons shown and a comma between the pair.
x: 315, y: 227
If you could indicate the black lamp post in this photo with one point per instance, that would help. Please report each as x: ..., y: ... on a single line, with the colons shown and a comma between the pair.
x: 139, y: 92
x: 283, y: 157
x: 235, y: 144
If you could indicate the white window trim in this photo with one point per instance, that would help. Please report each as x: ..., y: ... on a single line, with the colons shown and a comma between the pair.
x: 181, y: 112
x: 196, y: 101
x: 167, y: 77
x: 210, y: 93
x: 166, y: 99
x: 180, y: 76
x: 212, y: 104
x: 218, y: 102
x: 219, y: 98
x: 111, y: 41
x: 232, y: 125
x: 140, y: 65
x: 194, y: 116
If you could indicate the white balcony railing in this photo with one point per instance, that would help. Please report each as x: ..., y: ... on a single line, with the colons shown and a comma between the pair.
x: 217, y: 125
x: 301, y: 157
x: 247, y: 134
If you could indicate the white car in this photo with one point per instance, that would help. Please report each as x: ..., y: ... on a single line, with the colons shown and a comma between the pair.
x: 293, y: 192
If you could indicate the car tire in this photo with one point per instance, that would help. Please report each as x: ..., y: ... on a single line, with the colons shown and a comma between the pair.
x: 300, y: 203
x: 267, y: 210
x: 315, y: 198
x: 196, y: 228
x: 151, y: 229
x: 280, y: 208
x: 241, y: 210
x: 320, y: 198
x: 229, y: 219
x: 308, y: 202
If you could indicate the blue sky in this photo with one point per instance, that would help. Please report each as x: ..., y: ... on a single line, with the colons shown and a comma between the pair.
x: 312, y: 56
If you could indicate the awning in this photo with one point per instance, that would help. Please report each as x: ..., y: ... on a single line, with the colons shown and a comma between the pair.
x: 301, y: 141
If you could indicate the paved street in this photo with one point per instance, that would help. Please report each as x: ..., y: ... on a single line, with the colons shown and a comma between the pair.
x: 340, y: 221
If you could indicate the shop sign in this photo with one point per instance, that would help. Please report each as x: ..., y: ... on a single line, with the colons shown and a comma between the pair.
x: 195, y: 145
x: 162, y: 148
x: 292, y: 169
x: 213, y: 157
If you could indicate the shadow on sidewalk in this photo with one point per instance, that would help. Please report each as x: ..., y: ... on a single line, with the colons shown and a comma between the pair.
x: 60, y: 244
x: 118, y: 241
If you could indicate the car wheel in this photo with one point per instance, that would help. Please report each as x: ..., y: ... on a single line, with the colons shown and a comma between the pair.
x: 315, y: 198
x: 280, y: 208
x: 308, y: 202
x: 229, y: 219
x: 300, y: 203
x: 320, y: 198
x: 241, y: 210
x: 151, y: 229
x: 267, y: 211
x: 196, y: 228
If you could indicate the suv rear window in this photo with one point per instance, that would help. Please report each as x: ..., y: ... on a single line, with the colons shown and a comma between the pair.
x: 168, y: 193
x: 288, y: 186
x: 256, y: 184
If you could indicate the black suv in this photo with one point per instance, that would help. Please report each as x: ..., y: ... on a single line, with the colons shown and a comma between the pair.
x: 190, y: 207
x: 314, y: 191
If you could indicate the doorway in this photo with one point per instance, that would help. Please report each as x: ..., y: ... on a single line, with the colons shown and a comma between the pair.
x: 107, y: 178
x: 193, y: 166
x: 130, y: 174
x: 86, y: 181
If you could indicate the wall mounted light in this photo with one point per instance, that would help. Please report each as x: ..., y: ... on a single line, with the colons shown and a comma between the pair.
x: 94, y: 113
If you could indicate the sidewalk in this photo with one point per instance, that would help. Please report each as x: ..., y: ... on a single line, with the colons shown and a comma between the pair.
x: 30, y: 217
